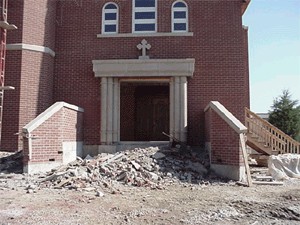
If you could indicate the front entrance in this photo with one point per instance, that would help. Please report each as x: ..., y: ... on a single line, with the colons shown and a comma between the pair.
x: 144, y: 112
x: 118, y: 102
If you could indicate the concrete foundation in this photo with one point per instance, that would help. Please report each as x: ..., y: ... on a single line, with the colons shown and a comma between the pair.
x: 237, y: 173
x: 33, y: 168
x: 71, y: 150
x: 93, y: 150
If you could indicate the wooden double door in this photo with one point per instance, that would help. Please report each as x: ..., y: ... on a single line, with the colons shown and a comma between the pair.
x: 152, y: 113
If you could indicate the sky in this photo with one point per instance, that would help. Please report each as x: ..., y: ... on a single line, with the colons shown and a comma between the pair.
x: 274, y: 51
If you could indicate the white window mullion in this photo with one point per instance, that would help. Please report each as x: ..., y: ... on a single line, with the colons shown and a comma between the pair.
x: 111, y: 10
x: 145, y: 9
x: 110, y: 22
x: 179, y: 20
x: 144, y: 21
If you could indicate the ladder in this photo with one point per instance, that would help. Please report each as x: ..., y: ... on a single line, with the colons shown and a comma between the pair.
x: 4, y: 26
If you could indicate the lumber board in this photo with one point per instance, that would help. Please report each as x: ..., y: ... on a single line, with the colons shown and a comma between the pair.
x: 268, y: 182
x: 245, y: 157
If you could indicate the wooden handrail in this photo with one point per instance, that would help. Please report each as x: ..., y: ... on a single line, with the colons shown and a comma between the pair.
x: 270, y: 135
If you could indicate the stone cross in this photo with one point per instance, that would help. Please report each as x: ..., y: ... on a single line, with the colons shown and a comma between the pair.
x: 144, y: 46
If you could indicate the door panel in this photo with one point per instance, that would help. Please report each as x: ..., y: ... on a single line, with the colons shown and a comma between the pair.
x: 160, y: 118
x: 152, y: 114
x: 144, y: 120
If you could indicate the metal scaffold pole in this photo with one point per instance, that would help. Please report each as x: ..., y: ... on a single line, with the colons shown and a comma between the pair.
x: 4, y: 26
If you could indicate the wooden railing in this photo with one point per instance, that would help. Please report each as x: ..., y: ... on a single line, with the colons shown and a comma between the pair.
x: 270, y: 136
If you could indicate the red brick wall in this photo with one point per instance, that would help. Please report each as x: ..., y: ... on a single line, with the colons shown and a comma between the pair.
x: 246, y: 58
x: 224, y: 141
x: 15, y: 16
x: 10, y: 121
x: 39, y: 23
x: 10, y: 125
x: 31, y: 73
x: 64, y: 125
x: 218, y: 46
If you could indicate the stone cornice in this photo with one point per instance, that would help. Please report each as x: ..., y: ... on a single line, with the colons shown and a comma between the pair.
x: 36, y: 48
x: 144, y: 68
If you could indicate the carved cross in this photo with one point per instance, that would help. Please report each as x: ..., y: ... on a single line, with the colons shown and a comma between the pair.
x: 144, y: 46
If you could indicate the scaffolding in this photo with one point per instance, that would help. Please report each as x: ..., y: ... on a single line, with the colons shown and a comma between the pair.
x: 4, y: 26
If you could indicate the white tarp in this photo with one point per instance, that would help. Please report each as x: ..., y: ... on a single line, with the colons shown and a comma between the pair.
x: 284, y: 166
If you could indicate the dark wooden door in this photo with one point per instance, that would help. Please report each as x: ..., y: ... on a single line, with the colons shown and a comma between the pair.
x: 152, y: 117
x: 160, y: 118
x: 144, y: 120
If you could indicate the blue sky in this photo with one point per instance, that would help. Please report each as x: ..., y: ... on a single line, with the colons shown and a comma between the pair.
x: 274, y: 50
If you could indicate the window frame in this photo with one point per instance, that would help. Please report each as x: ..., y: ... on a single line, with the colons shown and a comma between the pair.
x: 110, y: 22
x: 144, y: 21
x: 176, y: 20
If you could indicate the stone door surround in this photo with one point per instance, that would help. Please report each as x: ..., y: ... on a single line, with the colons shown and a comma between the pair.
x: 113, y: 72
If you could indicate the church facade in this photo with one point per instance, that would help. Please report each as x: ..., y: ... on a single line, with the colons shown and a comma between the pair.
x: 136, y: 67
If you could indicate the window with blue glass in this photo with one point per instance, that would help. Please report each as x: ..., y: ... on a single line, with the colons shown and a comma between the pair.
x: 144, y: 16
x: 179, y: 17
x: 110, y: 18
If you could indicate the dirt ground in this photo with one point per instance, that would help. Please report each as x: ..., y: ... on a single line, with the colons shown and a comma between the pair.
x: 26, y: 200
x: 212, y: 203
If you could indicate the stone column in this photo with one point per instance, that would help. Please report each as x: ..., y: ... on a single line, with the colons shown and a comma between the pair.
x: 116, y: 110
x: 103, y: 109
x: 110, y: 98
x: 178, y: 108
x: 183, y: 109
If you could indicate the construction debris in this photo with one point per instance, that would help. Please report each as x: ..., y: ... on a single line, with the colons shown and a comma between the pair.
x: 150, y: 167
x: 11, y: 162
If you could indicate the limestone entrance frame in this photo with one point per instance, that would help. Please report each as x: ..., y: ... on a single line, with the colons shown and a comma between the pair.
x: 113, y: 72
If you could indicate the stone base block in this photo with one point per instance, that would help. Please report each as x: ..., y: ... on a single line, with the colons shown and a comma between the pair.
x: 33, y: 168
x: 127, y: 145
x: 94, y: 150
x: 107, y: 149
x: 91, y: 150
x: 237, y: 173
x: 71, y: 149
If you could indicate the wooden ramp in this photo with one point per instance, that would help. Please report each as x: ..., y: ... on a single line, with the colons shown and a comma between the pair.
x: 266, y: 138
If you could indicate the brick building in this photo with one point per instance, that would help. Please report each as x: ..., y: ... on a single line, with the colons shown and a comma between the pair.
x: 136, y: 68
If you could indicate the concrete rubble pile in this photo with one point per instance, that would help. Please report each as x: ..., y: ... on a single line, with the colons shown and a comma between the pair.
x: 149, y: 167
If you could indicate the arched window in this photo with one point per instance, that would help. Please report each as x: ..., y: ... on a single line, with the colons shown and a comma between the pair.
x: 179, y: 17
x: 144, y: 16
x: 110, y: 17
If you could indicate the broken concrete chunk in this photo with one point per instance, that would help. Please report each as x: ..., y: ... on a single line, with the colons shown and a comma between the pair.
x: 153, y: 176
x: 99, y: 194
x: 197, y: 167
x: 79, y: 159
x: 88, y: 157
x: 158, y: 155
x: 135, y: 165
